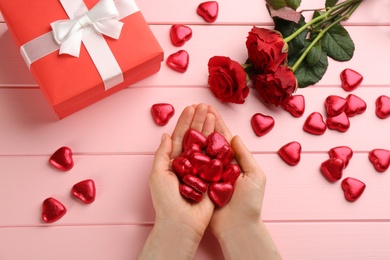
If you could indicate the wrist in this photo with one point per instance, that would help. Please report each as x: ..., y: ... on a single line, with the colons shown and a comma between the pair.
x: 170, y: 240
x: 248, y: 242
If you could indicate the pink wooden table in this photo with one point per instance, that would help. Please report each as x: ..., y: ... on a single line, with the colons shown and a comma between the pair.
x: 114, y: 141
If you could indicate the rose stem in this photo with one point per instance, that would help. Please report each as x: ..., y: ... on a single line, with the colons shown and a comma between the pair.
x: 321, y: 34
x: 321, y: 17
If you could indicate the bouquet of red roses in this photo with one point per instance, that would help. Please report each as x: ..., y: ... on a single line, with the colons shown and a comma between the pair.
x: 293, y: 55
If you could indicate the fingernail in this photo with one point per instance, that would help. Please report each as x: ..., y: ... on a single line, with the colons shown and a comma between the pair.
x: 163, y: 137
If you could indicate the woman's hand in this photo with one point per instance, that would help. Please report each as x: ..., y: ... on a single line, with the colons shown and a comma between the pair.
x: 180, y: 224
x: 238, y: 225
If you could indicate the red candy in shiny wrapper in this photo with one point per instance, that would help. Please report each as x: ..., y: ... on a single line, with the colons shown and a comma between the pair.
x: 52, y: 210
x: 62, y: 159
x: 208, y: 11
x: 353, y: 188
x: 291, y: 153
x: 84, y: 191
x: 205, y: 165
x: 315, y: 124
x: 97, y: 57
x: 162, y: 113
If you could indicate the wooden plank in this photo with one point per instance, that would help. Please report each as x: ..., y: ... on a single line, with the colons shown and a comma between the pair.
x: 122, y: 123
x: 206, y: 42
x: 297, y: 193
x: 296, y: 241
x: 249, y: 12
x: 114, y: 140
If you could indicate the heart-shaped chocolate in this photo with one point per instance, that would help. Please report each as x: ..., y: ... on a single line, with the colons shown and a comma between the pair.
x: 295, y: 105
x: 332, y: 169
x: 315, y: 124
x: 380, y: 158
x: 339, y: 122
x: 193, y: 136
x: 208, y: 11
x: 355, y: 105
x: 180, y: 34
x: 162, y: 112
x: 85, y: 191
x: 231, y: 173
x: 195, y: 182
x: 291, y: 153
x: 225, y: 154
x: 190, y: 149
x: 350, y: 79
x: 220, y: 193
x: 342, y: 152
x: 178, y: 61
x: 52, y: 210
x: 382, y: 107
x: 211, y: 172
x: 334, y: 105
x: 215, y: 141
x: 62, y: 159
x: 190, y: 193
x: 182, y: 166
x: 262, y: 124
x: 198, y: 160
x: 353, y: 188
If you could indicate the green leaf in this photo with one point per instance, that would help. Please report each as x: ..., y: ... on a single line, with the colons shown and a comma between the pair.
x: 330, y: 3
x: 338, y: 43
x: 287, y: 28
x: 308, y: 75
x: 276, y: 4
x: 314, y: 55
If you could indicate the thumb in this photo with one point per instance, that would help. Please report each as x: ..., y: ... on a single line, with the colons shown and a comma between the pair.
x: 162, y: 155
x: 245, y: 159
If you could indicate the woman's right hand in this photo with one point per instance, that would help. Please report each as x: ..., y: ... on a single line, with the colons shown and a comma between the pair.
x: 238, y: 225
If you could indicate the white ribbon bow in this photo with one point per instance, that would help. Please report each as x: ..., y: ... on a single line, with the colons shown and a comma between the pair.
x: 68, y: 33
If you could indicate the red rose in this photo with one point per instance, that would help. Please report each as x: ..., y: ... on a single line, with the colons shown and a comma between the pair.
x: 227, y: 80
x: 276, y: 88
x: 266, y: 49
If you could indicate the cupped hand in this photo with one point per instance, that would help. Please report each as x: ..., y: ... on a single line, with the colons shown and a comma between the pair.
x: 171, y: 208
x: 244, y: 208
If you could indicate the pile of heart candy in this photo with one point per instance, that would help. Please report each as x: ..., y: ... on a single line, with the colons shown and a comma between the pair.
x: 84, y: 191
x: 205, y: 165
x: 338, y: 111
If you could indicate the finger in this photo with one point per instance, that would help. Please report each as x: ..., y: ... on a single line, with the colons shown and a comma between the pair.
x: 209, y: 124
x: 199, y: 117
x: 246, y: 160
x: 183, y: 124
x: 220, y: 125
x: 162, y: 155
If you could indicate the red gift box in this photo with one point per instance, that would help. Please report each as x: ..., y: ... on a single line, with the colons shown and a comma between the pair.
x: 72, y: 83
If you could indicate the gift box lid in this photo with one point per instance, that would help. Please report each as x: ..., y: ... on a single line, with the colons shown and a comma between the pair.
x: 69, y: 81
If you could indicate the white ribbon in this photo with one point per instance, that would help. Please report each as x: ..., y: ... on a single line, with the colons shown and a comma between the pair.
x: 68, y: 33
x: 86, y: 26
